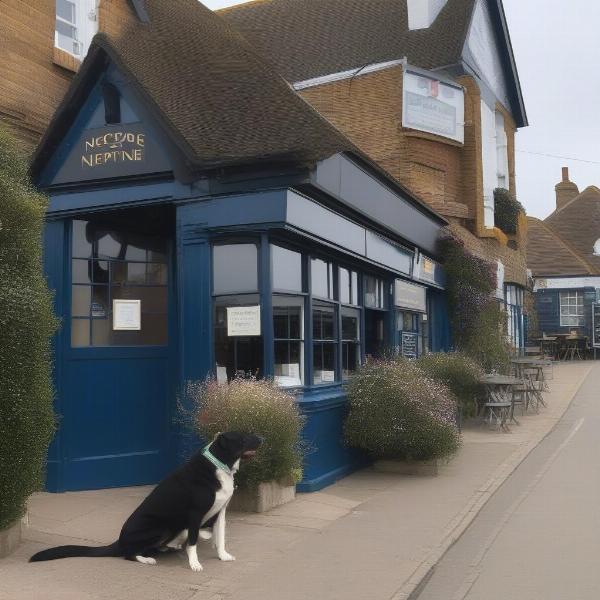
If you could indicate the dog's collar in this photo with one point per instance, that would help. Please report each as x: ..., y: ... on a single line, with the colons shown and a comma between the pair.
x: 215, y: 461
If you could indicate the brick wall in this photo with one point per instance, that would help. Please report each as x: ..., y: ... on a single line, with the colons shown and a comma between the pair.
x: 445, y: 174
x: 34, y: 75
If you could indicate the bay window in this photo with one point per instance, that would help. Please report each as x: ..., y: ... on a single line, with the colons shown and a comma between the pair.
x: 288, y: 333
x: 350, y: 341
x: 324, y: 343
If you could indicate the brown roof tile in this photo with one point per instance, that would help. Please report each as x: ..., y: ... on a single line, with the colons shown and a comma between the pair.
x: 548, y: 254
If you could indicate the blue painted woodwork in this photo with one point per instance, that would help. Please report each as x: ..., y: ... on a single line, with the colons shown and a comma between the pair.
x: 547, y: 305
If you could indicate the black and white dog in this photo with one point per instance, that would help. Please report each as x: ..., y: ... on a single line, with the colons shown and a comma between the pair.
x: 188, y: 504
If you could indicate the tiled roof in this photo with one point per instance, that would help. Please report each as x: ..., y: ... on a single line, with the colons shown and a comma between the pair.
x: 578, y: 224
x: 310, y: 38
x: 221, y: 102
x: 549, y: 255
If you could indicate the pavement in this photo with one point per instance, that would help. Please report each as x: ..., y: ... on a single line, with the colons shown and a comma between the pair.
x: 371, y: 535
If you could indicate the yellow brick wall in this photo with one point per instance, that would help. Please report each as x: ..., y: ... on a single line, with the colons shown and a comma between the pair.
x: 34, y: 75
x: 446, y: 175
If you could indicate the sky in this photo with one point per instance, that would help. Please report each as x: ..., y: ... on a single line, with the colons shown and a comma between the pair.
x: 557, y: 52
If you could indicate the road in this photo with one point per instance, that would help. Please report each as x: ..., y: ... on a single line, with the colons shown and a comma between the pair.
x: 538, y: 538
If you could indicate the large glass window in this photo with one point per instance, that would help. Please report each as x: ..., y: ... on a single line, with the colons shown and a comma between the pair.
x: 324, y: 343
x: 374, y: 292
x: 350, y: 341
x: 109, y: 264
x: 236, y: 354
x: 571, y: 309
x: 288, y: 327
x: 348, y: 286
x: 235, y: 268
x: 286, y: 269
x: 321, y: 274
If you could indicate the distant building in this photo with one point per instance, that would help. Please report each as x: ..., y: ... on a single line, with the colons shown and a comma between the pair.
x: 563, y: 254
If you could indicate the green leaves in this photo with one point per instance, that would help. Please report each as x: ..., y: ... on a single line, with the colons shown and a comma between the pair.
x: 26, y: 326
x: 397, y: 411
x: 506, y: 211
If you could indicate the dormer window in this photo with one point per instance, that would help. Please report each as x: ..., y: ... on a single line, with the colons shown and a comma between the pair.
x: 422, y: 13
x: 597, y: 248
x: 75, y: 26
x: 112, y: 104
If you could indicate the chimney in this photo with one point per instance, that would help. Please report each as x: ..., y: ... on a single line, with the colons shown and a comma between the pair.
x: 566, y: 190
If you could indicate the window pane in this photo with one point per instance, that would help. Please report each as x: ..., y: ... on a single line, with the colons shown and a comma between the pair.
x: 65, y: 10
x: 81, y: 247
x: 324, y: 362
x: 81, y: 271
x: 100, y: 307
x: 80, y: 300
x: 99, y: 270
x: 354, y: 288
x: 345, y: 291
x: 286, y: 269
x: 288, y: 368
x: 110, y: 247
x: 80, y: 332
x: 374, y: 296
x: 235, y: 268
x: 323, y: 322
x: 350, y: 324
x: 321, y: 278
x: 288, y: 322
x: 154, y: 299
x: 65, y: 36
x: 350, y: 358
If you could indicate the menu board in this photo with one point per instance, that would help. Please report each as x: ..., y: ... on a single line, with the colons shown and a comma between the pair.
x: 596, y: 324
x: 410, y: 344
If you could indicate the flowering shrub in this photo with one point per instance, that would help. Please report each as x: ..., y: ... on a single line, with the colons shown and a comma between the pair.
x: 506, y: 211
x: 478, y: 322
x: 397, y: 411
x: 258, y: 407
x: 460, y: 373
x: 26, y: 326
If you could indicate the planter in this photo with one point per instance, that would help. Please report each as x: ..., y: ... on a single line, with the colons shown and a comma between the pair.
x: 422, y: 468
x: 266, y: 496
x: 10, y: 538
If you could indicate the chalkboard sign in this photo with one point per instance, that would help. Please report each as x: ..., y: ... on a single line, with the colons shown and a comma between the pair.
x: 596, y: 324
x: 410, y: 344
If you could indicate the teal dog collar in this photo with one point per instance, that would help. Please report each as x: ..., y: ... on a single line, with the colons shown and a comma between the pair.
x: 215, y: 461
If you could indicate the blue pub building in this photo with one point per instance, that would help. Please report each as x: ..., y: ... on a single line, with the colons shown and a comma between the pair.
x: 203, y: 219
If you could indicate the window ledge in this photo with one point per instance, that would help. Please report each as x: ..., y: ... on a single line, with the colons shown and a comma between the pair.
x: 65, y: 60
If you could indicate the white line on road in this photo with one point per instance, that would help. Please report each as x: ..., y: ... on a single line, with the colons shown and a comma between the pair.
x: 476, y: 569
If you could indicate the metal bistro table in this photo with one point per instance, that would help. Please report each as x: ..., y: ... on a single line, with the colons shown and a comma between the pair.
x: 531, y: 371
x: 500, y: 399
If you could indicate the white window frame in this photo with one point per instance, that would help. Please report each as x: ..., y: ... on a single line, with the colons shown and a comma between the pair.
x: 571, y: 309
x: 501, y: 152
x: 85, y: 26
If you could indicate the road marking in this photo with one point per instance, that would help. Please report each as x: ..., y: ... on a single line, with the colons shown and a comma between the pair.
x: 475, y: 567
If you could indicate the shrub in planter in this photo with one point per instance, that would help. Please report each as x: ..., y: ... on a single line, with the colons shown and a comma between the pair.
x: 459, y: 373
x: 506, y: 211
x: 398, y: 412
x: 26, y: 325
x: 254, y: 406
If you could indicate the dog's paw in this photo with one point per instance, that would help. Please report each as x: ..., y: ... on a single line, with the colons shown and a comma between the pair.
x: 225, y: 556
x: 195, y: 565
x: 145, y: 560
x: 205, y: 534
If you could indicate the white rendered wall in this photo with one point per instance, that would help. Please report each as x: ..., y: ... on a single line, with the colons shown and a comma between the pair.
x: 489, y: 157
x: 422, y: 13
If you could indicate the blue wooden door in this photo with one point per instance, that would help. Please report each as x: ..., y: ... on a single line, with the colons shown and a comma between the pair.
x: 115, y: 390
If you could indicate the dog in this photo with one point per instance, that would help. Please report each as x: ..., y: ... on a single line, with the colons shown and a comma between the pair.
x: 188, y: 504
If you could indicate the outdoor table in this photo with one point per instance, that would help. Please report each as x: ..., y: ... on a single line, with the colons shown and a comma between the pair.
x: 538, y: 364
x: 501, y: 409
x: 573, y: 343
x: 548, y: 345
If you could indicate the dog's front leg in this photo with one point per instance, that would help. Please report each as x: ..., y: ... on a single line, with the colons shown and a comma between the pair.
x: 219, y: 531
x: 193, y: 529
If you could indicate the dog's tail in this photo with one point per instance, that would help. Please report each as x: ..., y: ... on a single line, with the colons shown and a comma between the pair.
x: 71, y: 551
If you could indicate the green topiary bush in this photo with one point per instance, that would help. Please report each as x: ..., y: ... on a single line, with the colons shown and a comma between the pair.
x: 506, y: 211
x: 26, y: 326
x: 398, y: 412
x: 259, y: 407
x: 460, y: 373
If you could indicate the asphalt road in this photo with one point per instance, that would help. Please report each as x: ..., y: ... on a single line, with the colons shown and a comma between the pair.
x: 538, y: 538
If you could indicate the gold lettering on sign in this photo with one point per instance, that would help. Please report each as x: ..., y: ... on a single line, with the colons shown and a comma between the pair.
x: 112, y: 148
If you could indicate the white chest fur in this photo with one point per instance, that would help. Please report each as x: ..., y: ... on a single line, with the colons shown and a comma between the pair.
x: 223, y: 495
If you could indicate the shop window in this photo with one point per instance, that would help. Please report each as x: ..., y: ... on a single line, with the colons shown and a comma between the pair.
x: 235, y: 268
x: 288, y: 327
x: 411, y: 334
x: 571, y: 309
x: 324, y: 343
x: 286, y: 269
x: 348, y: 281
x: 237, y: 354
x: 101, y: 274
x: 75, y: 26
x: 321, y: 274
x: 374, y: 292
x: 350, y: 341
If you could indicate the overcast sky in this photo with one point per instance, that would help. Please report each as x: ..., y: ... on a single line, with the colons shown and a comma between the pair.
x: 558, y: 53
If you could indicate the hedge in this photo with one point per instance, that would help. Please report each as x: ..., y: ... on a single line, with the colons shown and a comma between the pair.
x: 26, y: 326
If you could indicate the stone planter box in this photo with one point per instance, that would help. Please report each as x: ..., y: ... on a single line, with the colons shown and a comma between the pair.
x: 422, y: 468
x: 266, y: 496
x: 10, y: 538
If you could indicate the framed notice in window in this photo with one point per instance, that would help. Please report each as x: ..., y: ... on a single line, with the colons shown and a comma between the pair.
x: 243, y: 321
x: 127, y: 315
